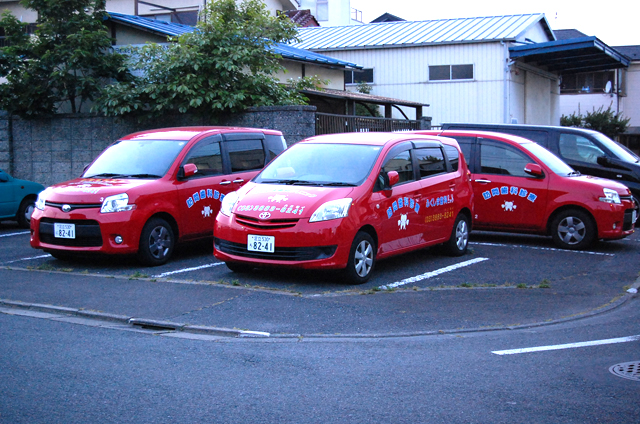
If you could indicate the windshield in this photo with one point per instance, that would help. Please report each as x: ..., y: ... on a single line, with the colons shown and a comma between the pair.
x: 321, y: 164
x: 552, y: 161
x: 136, y: 159
x: 620, y: 151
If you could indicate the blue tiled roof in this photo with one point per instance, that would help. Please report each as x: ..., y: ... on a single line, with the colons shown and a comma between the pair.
x: 173, y: 29
x: 406, y: 33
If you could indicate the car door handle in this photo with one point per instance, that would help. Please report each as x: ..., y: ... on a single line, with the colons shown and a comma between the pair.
x: 482, y: 181
x: 239, y: 181
x: 225, y: 183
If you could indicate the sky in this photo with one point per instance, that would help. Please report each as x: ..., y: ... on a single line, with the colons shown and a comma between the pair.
x: 616, y: 23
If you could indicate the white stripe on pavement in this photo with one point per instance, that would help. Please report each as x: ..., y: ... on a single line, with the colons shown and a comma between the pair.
x: 14, y: 234
x: 568, y: 345
x: 28, y: 259
x: 584, y: 252
x: 187, y: 269
x: 432, y: 273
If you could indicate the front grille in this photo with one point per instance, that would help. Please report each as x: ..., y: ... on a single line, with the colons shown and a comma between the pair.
x: 273, y: 224
x: 74, y: 206
x: 280, y: 254
x: 87, y: 233
x: 628, y: 220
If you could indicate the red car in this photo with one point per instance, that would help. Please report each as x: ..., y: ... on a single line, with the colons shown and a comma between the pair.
x: 149, y: 190
x: 342, y: 201
x: 522, y: 187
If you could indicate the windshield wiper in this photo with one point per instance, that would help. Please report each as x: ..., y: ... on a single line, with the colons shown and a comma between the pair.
x: 338, y: 184
x: 105, y: 175
x: 289, y: 182
x: 142, y: 176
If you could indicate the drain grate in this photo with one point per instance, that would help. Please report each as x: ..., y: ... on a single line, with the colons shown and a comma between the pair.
x: 630, y: 370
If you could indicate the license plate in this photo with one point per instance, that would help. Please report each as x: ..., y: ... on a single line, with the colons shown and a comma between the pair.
x: 67, y: 231
x: 261, y: 243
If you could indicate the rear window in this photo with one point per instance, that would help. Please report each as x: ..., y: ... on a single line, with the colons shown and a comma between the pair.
x: 452, y: 156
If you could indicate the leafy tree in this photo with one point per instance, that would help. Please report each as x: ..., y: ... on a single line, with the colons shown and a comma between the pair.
x: 366, y: 109
x: 605, y: 121
x: 64, y: 64
x: 226, y: 64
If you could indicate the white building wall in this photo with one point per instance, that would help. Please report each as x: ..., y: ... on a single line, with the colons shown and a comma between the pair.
x: 403, y: 73
x: 630, y: 105
x: 294, y: 70
x: 339, y: 12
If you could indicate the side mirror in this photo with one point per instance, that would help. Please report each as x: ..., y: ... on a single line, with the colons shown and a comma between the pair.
x: 393, y: 178
x: 4, y: 177
x: 603, y: 161
x: 534, y: 170
x: 187, y: 170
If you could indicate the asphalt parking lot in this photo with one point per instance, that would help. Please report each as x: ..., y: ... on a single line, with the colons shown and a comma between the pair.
x: 504, y: 280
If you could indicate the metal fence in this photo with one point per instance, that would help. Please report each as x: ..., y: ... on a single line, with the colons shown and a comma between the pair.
x: 332, y: 124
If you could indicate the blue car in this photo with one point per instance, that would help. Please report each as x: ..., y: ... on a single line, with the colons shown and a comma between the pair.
x: 17, y: 198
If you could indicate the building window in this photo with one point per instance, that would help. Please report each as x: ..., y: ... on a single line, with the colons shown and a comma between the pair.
x: 322, y: 10
x: 450, y: 72
x: 588, y: 82
x: 355, y: 77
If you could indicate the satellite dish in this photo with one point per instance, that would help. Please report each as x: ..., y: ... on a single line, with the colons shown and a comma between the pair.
x: 607, y: 88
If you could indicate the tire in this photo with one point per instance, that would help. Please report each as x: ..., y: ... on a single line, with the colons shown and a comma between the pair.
x: 238, y: 267
x: 24, y: 212
x: 573, y: 229
x: 362, y: 259
x: 459, y: 240
x: 636, y: 206
x: 156, y: 242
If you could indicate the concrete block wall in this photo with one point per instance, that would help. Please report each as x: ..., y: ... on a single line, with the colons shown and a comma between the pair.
x: 57, y: 149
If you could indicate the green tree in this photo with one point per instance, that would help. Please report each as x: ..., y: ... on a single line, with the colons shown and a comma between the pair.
x: 64, y: 64
x: 606, y: 121
x: 226, y: 64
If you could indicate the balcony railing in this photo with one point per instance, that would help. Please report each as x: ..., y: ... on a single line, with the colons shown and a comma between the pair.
x: 332, y: 124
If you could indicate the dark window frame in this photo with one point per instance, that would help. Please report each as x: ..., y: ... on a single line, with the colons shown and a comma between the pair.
x: 437, y: 73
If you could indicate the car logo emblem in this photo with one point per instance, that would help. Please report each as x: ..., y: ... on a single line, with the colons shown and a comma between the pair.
x: 66, y: 208
x: 264, y: 215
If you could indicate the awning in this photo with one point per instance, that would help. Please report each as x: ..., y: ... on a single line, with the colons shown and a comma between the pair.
x: 574, y: 55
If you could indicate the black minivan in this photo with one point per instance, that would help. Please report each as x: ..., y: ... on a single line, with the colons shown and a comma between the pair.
x: 587, y: 151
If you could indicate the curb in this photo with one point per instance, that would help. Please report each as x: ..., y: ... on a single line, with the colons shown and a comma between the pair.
x: 162, y: 326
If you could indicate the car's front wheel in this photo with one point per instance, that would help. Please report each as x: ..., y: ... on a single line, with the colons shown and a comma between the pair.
x: 573, y: 229
x: 362, y: 259
x: 459, y: 240
x: 156, y: 242
x: 24, y: 212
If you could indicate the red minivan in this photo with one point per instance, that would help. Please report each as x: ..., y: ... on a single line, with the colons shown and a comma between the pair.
x: 150, y: 190
x: 342, y: 201
x: 522, y: 187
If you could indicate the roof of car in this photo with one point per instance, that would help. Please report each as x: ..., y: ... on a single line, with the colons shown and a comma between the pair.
x: 187, y: 133
x: 492, y: 134
x: 518, y: 126
x: 369, y: 138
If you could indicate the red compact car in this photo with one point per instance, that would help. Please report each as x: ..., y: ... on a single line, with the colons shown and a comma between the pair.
x: 342, y: 201
x: 522, y: 187
x: 149, y: 190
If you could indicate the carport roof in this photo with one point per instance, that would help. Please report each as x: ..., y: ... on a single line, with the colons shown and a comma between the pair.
x: 570, y: 56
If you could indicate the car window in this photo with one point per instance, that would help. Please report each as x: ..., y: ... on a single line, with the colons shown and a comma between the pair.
x: 246, y: 155
x: 502, y: 159
x: 206, y: 156
x: 275, y: 144
x: 575, y: 147
x: 430, y: 161
x: 452, y: 156
x: 401, y: 163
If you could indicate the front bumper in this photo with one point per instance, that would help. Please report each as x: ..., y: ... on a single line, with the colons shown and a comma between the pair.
x: 298, y: 243
x: 95, y: 232
x: 614, y: 221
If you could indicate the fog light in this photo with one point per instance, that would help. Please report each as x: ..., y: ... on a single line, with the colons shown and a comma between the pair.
x: 118, y: 239
x: 614, y: 226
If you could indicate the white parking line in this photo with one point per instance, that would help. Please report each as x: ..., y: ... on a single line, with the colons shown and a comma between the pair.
x: 543, y: 248
x: 568, y: 345
x: 14, y: 234
x: 187, y: 270
x: 28, y: 259
x: 432, y: 273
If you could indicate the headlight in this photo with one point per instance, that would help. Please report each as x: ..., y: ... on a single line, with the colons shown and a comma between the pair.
x: 610, y: 196
x: 117, y: 203
x: 40, y: 201
x: 228, y: 203
x: 332, y: 210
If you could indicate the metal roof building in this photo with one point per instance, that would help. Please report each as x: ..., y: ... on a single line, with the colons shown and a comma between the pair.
x: 484, y: 69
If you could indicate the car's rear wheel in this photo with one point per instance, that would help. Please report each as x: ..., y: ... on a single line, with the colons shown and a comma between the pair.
x: 156, y: 242
x: 459, y: 240
x: 362, y: 259
x: 24, y: 212
x: 573, y: 229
